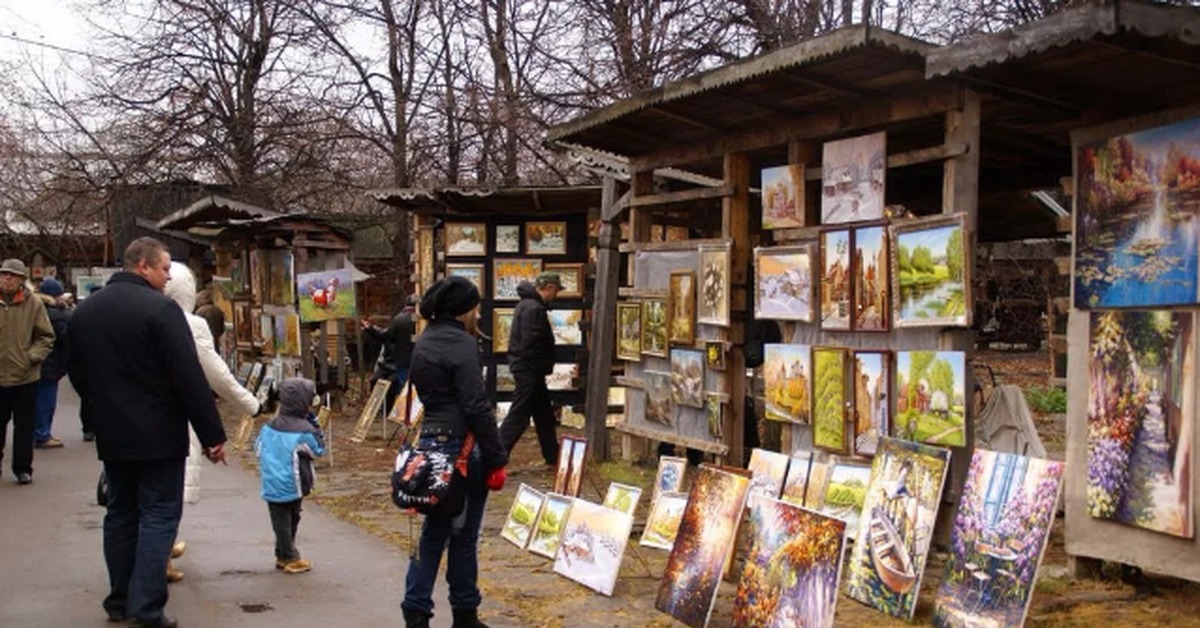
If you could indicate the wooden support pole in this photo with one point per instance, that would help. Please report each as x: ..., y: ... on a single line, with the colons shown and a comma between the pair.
x: 735, y: 225
x: 604, y: 312
x: 640, y: 220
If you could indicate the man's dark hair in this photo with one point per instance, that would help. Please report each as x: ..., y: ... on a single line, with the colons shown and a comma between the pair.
x: 143, y: 249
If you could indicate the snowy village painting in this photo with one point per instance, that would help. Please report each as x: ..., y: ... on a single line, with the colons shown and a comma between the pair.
x: 783, y: 197
x: 1136, y: 218
x: 931, y: 278
x: 326, y: 295
x: 872, y: 379
x: 593, y: 543
x: 466, y: 238
x: 784, y: 283
x: 1140, y: 417
x: 853, y: 171
x: 931, y: 397
x: 1000, y: 531
x: 787, y: 382
x: 507, y: 274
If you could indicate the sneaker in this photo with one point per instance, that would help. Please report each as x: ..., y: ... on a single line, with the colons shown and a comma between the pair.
x: 24, y: 478
x: 297, y: 566
x: 178, y: 549
x: 279, y: 564
x: 49, y: 443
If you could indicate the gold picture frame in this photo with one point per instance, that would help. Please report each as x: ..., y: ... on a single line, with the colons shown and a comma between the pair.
x: 465, y: 239
x: 681, y: 308
x: 629, y: 331
x: 572, y: 276
x: 546, y: 238
x: 501, y: 328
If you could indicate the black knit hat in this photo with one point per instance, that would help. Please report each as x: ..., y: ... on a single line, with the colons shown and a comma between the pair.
x: 452, y: 296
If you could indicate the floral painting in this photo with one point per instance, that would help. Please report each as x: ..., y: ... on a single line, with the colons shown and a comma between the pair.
x: 508, y: 238
x: 1000, y: 532
x: 593, y: 544
x: 898, y: 517
x: 326, y: 295
x: 669, y: 477
x: 846, y: 492
x: 545, y: 238
x: 629, y: 331
x: 681, y: 304
x: 666, y: 512
x: 784, y: 283
x: 793, y: 567
x: 787, y: 382
x: 796, y: 481
x: 767, y: 469
x: 714, y: 355
x: 836, y: 280
x: 502, y: 318
x: 622, y: 497
x: 712, y: 306
x: 872, y: 281
x: 932, y: 274
x: 872, y: 379
x: 829, y: 400
x: 702, y: 546
x: 687, y: 377
x: 783, y: 197
x: 521, y: 516
x: 548, y: 528
x: 564, y: 324
x: 931, y: 397
x: 1141, y: 419
x: 659, y: 407
x: 654, y: 327
x: 853, y: 172
x: 507, y: 274
x: 465, y: 238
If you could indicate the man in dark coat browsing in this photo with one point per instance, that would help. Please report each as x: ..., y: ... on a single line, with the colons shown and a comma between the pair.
x: 531, y: 357
x: 133, y: 361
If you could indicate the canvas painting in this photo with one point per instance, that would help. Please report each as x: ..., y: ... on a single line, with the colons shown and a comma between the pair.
x: 281, y: 281
x: 507, y: 274
x: 505, y: 382
x: 549, y: 526
x: 243, y: 322
x: 787, y: 382
x: 1000, y: 532
x: 1136, y: 220
x: 818, y: 480
x: 501, y: 328
x: 473, y: 272
x: 222, y: 295
x: 663, y: 522
x: 714, y: 410
x: 502, y: 408
x: 846, y: 493
x: 465, y: 239
x: 425, y: 254
x: 931, y: 397
x: 572, y: 278
x: 287, y: 335
x: 85, y: 285
x: 853, y: 172
x: 836, y: 288
x: 714, y: 355
x: 872, y: 282
x: 654, y: 327
x: 681, y: 308
x: 669, y: 478
x: 326, y: 295
x: 629, y: 331
x: 266, y: 333
x: 768, y: 469
x: 829, y: 400
x: 793, y: 567
x: 898, y: 517
x: 784, y: 283
x: 622, y: 497
x: 593, y: 544
x: 702, y: 546
x: 932, y: 274
x: 545, y: 238
x: 258, y: 287
x: 508, y: 238
x: 872, y: 379
x: 563, y: 377
x: 783, y: 197
x: 687, y: 377
x: 568, y: 475
x: 795, y: 483
x: 659, y: 407
x: 1141, y: 419
x: 256, y: 331
x: 712, y: 307
x: 564, y: 324
x: 522, y: 515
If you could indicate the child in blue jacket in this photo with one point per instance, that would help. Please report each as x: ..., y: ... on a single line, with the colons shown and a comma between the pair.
x: 286, y: 447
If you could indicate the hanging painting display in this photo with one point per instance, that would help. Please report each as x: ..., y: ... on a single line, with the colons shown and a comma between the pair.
x: 846, y: 493
x: 502, y: 318
x: 712, y: 307
x: 714, y: 355
x: 563, y: 377
x: 571, y: 276
x: 659, y: 407
x: 931, y: 279
x: 287, y: 335
x: 663, y: 522
x: 622, y: 497
x: 767, y: 469
x: 465, y: 239
x: 783, y: 278
x: 545, y: 238
x: 1139, y: 469
x: 507, y: 274
x: 281, y: 278
x: 256, y: 332
x: 505, y: 382
x: 714, y: 409
x: 931, y: 397
x: 564, y: 324
x: 795, y: 483
x: 871, y: 379
x: 1000, y: 532
x: 326, y: 295
x: 473, y: 272
x: 593, y: 544
x: 836, y: 293
x: 548, y: 529
x: 629, y: 331
x: 793, y: 568
x: 783, y: 197
x: 508, y: 238
x: 243, y: 323
x: 654, y: 327
x: 687, y: 377
x: 787, y: 382
x: 872, y: 282
x: 258, y: 287
x: 524, y: 512
x: 681, y: 308
x: 829, y: 399
x: 425, y: 254
x: 669, y: 477
x: 266, y: 333
x: 853, y: 171
x: 898, y: 516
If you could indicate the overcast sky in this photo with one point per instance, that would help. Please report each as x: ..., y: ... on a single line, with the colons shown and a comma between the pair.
x: 45, y: 23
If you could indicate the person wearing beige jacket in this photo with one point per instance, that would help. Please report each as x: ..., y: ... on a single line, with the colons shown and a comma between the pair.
x: 26, y: 338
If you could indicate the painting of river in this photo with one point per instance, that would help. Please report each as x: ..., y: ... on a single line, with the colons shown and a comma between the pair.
x: 1141, y: 416
x: 1136, y: 225
x: 931, y: 281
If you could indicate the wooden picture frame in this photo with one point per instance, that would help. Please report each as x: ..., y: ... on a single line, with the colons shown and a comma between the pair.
x: 714, y: 355
x: 465, y: 239
x: 629, y: 331
x: 914, y: 303
x: 243, y: 323
x: 783, y: 197
x: 508, y: 238
x: 546, y: 238
x: 871, y: 281
x: 509, y: 272
x: 830, y: 391
x: 572, y: 276
x: 784, y: 286
x: 837, y: 294
x: 712, y: 295
x: 502, y: 318
x: 871, y: 398
x: 681, y: 306
x: 472, y: 271
x: 655, y: 315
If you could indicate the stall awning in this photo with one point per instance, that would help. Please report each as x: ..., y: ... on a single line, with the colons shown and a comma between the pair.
x: 488, y: 201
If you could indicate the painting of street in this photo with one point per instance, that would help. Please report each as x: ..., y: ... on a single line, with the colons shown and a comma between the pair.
x: 784, y: 283
x: 592, y: 546
x: 783, y: 197
x: 872, y: 404
x: 835, y: 280
x: 931, y: 279
x: 796, y: 481
x: 852, y: 179
x: 872, y: 282
x: 787, y: 382
x: 931, y: 397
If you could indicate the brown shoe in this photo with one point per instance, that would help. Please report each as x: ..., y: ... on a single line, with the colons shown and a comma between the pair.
x: 279, y: 564
x: 178, y: 549
x: 297, y: 566
x: 49, y: 443
x: 173, y: 575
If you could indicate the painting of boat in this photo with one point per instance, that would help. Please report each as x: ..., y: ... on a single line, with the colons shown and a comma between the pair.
x: 892, y: 561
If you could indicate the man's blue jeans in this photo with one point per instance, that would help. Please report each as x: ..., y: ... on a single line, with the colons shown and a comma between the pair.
x: 457, y: 537
x: 398, y: 378
x: 47, y: 403
x: 145, y: 503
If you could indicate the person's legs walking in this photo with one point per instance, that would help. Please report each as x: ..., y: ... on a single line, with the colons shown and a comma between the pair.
x: 46, y: 404
x: 522, y: 408
x: 160, y: 500
x: 285, y: 535
x: 120, y: 533
x: 24, y: 402
x: 545, y: 423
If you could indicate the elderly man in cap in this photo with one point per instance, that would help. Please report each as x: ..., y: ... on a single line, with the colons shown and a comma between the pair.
x: 531, y: 356
x: 26, y: 338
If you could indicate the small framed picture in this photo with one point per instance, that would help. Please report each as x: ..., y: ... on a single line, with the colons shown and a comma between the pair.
x: 466, y: 239
x: 783, y: 277
x: 836, y: 295
x: 871, y: 283
x: 474, y: 272
x: 712, y: 411
x: 501, y: 328
x: 681, y: 308
x: 571, y: 275
x: 654, y: 327
x: 714, y: 355
x: 546, y: 238
x: 508, y: 238
x: 932, y: 277
x: 629, y: 331
x: 713, y: 305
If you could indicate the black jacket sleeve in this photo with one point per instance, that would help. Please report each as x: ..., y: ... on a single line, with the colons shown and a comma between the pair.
x: 187, y: 376
x: 537, y: 340
x: 477, y: 410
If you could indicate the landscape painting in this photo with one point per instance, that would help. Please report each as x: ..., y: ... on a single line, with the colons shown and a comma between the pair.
x: 768, y: 469
x: 783, y: 197
x: 326, y: 295
x: 1136, y: 218
x: 564, y: 324
x: 1000, y: 532
x: 281, y: 278
x: 593, y: 544
x: 793, y: 568
x: 548, y: 529
x: 663, y: 522
x: 784, y: 283
x: 622, y: 497
x: 846, y: 492
x: 787, y: 382
x: 796, y: 481
x: 287, y: 335
x: 571, y: 276
x: 872, y: 378
x: 522, y: 515
x: 932, y: 279
x: 1141, y: 419
x: 681, y: 308
x: 465, y: 239
x: 629, y: 331
x: 931, y: 397
x: 659, y: 407
x: 507, y: 274
x: 872, y: 282
x: 836, y: 285
x: 687, y: 377
x: 818, y: 479
x: 669, y: 478
x: 899, y: 514
x: 473, y: 272
x: 712, y: 307
x: 508, y: 238
x: 545, y: 238
x: 502, y: 318
x: 829, y: 400
x: 714, y: 408
x: 654, y: 327
x: 702, y: 546
x: 853, y: 172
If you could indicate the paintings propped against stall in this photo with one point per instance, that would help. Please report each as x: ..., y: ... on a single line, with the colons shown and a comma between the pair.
x: 1000, y: 532
x: 472, y: 272
x: 465, y: 239
x: 518, y: 526
x: 712, y: 306
x: 659, y: 407
x: 507, y: 274
x: 502, y: 318
x: 872, y: 380
x: 593, y: 543
x: 326, y: 295
x: 887, y: 563
x: 546, y: 238
x: 872, y: 283
x: 830, y: 390
x: 548, y: 528
x: 846, y: 492
x: 783, y: 197
x: 783, y: 278
x: 931, y: 397
x: 681, y: 308
x: 702, y: 545
x: 562, y: 377
x: 564, y: 324
x: 281, y: 282
x: 1136, y: 218
x: 836, y: 281
x: 571, y: 275
x: 669, y: 478
x: 654, y: 327
x: 796, y: 481
x: 768, y: 469
x: 932, y: 281
x: 568, y: 475
x: 1141, y: 419
x: 787, y: 381
x: 508, y: 238
x: 629, y: 331
x: 714, y: 411
x: 622, y: 497
x: 853, y: 172
x: 687, y: 377
x: 793, y: 567
x: 666, y: 511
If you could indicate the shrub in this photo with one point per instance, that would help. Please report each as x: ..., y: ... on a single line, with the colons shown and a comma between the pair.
x: 1046, y: 399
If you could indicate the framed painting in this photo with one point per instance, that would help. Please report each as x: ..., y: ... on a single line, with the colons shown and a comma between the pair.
x: 546, y: 238
x: 659, y: 406
x: 266, y: 333
x: 507, y: 274
x: 473, y: 272
x: 571, y: 276
x: 768, y: 470
x: 795, y: 483
x: 687, y: 377
x: 783, y: 197
x: 258, y: 287
x: 654, y: 327
x: 669, y: 477
x: 572, y: 452
x: 502, y: 318
x: 714, y: 355
x: 787, y: 382
x: 629, y: 331
x: 564, y: 324
x: 853, y: 172
x: 872, y: 381
x: 505, y: 382
x: 871, y: 281
x: 836, y: 283
x: 425, y: 254
x: 783, y: 282
x: 712, y: 305
x: 931, y: 397
x: 622, y: 497
x: 243, y: 323
x: 563, y: 377
x: 508, y: 238
x: 465, y: 239
x: 714, y: 414
x: 523, y: 513
x: 818, y: 479
x: 548, y: 528
x: 593, y: 545
x: 287, y: 335
x: 681, y: 308
x: 326, y: 295
x: 663, y: 522
x: 830, y: 391
x: 846, y: 492
x: 931, y: 273
x: 281, y: 277
x: 502, y: 408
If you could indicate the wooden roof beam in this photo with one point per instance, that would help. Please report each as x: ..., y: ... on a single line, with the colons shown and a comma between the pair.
x: 686, y: 119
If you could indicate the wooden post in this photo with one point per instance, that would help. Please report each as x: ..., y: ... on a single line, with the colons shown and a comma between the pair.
x: 735, y: 224
x: 604, y: 311
x: 633, y: 447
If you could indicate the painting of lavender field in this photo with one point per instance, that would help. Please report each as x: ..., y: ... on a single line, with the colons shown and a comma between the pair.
x: 999, y: 534
x: 1136, y: 213
x: 592, y: 546
x: 1141, y: 409
x: 793, y: 567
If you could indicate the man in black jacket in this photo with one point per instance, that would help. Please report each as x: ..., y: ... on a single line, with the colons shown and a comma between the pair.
x: 397, y: 348
x: 133, y: 361
x: 531, y: 356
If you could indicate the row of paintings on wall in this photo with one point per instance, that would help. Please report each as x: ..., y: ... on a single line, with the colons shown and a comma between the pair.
x: 564, y: 324
x: 470, y: 239
x: 507, y: 274
x: 266, y: 276
x: 853, y: 175
x: 273, y: 334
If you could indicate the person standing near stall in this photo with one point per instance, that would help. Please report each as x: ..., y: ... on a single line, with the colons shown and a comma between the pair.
x: 26, y: 338
x: 531, y: 356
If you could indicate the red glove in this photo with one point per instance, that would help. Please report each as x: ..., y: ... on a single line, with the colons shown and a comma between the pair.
x: 495, y: 479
